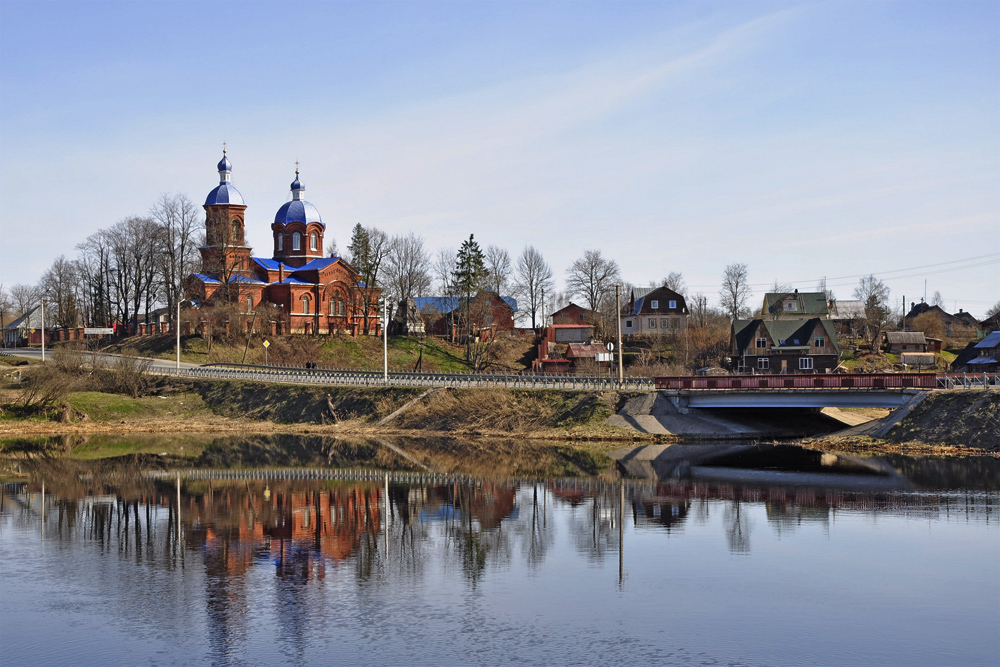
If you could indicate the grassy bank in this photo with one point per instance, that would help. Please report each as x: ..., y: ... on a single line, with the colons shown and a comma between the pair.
x: 249, y: 407
x: 950, y: 422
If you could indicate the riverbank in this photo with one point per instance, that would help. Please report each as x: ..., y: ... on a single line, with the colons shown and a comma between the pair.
x: 946, y: 422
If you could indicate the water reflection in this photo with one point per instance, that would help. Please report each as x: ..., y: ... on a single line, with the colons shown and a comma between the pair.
x: 308, y: 553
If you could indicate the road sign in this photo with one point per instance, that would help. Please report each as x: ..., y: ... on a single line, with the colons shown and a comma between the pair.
x: 266, y: 343
x: 611, y: 347
x: 98, y: 331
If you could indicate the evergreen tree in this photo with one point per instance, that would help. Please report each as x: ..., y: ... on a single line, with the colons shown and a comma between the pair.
x: 469, y: 275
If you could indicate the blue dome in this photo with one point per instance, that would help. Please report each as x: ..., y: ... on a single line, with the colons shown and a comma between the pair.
x: 225, y: 193
x: 296, y: 185
x: 225, y: 164
x: 298, y: 211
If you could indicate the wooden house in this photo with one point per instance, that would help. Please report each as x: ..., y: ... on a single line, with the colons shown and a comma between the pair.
x: 805, y: 345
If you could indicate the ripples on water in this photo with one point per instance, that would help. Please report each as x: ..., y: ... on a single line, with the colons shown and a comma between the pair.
x: 478, y: 571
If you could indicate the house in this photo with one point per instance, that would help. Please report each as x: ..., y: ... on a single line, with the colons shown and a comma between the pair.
x: 659, y: 312
x: 804, y: 345
x: 979, y: 357
x: 16, y: 332
x: 957, y: 325
x: 991, y: 323
x: 574, y: 314
x: 312, y: 294
x: 898, y: 342
x: 489, y: 313
x: 848, y: 316
x: 563, y: 346
x: 795, y: 305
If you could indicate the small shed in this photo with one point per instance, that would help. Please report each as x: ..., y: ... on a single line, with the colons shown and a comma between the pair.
x: 905, y: 341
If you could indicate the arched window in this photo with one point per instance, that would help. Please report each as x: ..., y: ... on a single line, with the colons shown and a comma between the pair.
x: 281, y: 241
x: 237, y: 236
x: 340, y: 307
x: 305, y: 304
x: 333, y: 306
x: 313, y: 241
x: 296, y: 241
x: 249, y: 304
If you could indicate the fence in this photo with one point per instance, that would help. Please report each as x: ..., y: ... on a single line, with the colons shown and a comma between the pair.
x: 375, y: 379
x: 852, y: 381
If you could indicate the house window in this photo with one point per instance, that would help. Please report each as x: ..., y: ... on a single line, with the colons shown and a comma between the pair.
x: 791, y: 305
x: 761, y: 343
x: 673, y: 304
x: 305, y: 304
x: 819, y: 341
x: 628, y: 324
x: 312, y: 241
x: 652, y: 323
x: 654, y: 304
x: 296, y: 241
x: 664, y: 323
x: 281, y: 241
x: 763, y: 363
x: 805, y: 363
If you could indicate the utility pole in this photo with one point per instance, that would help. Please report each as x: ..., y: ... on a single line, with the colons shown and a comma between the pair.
x: 385, y: 344
x: 618, y: 321
x: 42, y: 300
x: 177, y: 327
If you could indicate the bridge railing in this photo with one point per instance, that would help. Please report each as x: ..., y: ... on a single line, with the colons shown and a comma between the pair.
x: 968, y: 381
x: 846, y: 381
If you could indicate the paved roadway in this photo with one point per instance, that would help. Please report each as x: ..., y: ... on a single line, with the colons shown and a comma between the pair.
x: 36, y: 353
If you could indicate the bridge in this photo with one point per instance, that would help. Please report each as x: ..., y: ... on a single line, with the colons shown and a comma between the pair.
x: 882, y: 390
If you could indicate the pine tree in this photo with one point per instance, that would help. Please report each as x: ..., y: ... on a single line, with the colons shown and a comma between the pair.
x: 470, y: 272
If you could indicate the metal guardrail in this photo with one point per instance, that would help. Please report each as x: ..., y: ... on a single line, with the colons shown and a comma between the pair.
x: 375, y: 379
x: 967, y: 381
x: 802, y: 381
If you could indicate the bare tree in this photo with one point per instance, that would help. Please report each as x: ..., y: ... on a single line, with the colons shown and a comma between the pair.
x: 95, y: 266
x: 5, y: 306
x: 936, y: 300
x: 821, y: 287
x: 735, y: 290
x: 59, y: 285
x: 533, y: 281
x: 442, y: 267
x: 406, y: 267
x: 591, y: 277
x: 674, y: 281
x: 134, y: 257
x: 179, y: 221
x: 993, y: 310
x: 331, y: 248
x: 874, y: 297
x: 499, y: 266
x: 24, y: 298
x: 369, y: 247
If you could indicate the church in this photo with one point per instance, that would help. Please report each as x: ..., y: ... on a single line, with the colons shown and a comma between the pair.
x: 313, y: 294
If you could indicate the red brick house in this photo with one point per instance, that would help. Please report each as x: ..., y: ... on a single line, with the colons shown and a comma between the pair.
x: 574, y: 314
x: 313, y: 294
x: 489, y: 313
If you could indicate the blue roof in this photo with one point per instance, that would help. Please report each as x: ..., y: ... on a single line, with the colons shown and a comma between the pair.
x: 296, y: 184
x: 442, y: 304
x: 981, y: 360
x: 298, y: 211
x: 269, y: 264
x: 224, y: 163
x: 317, y: 264
x: 292, y: 280
x: 224, y: 193
x: 446, y: 304
x: 244, y: 279
x: 992, y: 340
x: 205, y: 278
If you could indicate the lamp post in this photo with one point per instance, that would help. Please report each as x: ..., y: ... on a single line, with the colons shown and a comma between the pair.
x: 385, y: 342
x: 42, y: 301
x: 177, y: 327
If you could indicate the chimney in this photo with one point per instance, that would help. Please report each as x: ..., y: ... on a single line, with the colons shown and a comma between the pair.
x: 912, y: 305
x: 959, y: 310
x: 281, y: 272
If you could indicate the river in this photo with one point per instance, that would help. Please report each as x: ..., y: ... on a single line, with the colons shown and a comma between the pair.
x: 280, y: 567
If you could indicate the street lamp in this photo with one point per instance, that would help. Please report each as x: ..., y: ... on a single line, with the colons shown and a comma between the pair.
x: 385, y: 342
